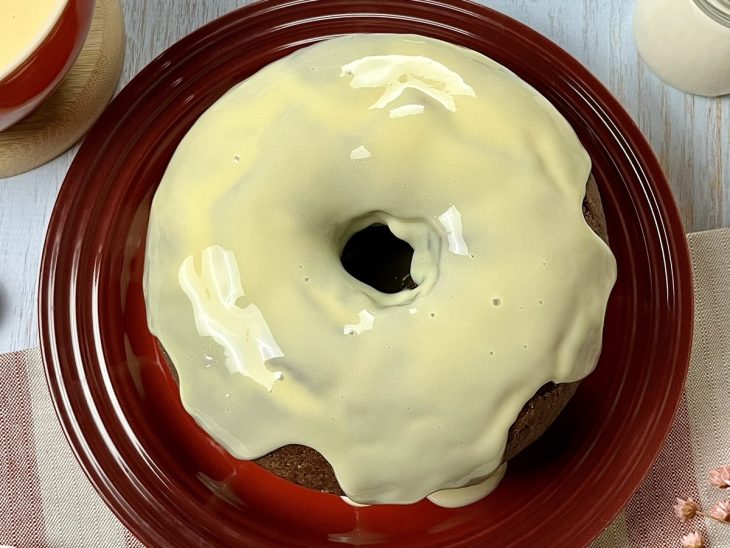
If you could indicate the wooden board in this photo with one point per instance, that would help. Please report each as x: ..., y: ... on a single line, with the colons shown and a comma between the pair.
x: 71, y: 110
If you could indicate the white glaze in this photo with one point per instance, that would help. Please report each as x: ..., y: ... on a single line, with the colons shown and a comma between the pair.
x: 420, y: 395
x: 365, y: 323
x: 456, y: 498
x: 451, y: 221
x: 360, y: 153
x: 242, y: 332
x: 683, y: 45
x: 353, y: 503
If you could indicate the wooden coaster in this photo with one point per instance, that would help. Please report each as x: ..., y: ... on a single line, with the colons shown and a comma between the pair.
x: 70, y: 110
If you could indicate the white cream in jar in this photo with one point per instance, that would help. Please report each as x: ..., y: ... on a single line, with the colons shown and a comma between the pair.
x: 686, y: 43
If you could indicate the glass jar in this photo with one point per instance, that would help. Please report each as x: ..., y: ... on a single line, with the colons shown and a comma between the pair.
x: 686, y: 43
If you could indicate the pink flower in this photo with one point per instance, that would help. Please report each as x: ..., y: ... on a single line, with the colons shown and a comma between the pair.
x: 720, y: 477
x: 686, y: 509
x: 692, y: 540
x: 721, y: 511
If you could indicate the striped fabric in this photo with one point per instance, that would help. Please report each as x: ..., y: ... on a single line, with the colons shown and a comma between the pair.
x: 45, y: 499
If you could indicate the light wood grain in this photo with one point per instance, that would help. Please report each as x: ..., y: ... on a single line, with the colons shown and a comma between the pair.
x: 70, y: 111
x: 691, y: 135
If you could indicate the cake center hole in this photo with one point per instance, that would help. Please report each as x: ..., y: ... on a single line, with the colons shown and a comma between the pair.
x: 376, y: 257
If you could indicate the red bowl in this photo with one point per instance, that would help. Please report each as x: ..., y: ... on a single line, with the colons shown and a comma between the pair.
x: 171, y: 484
x: 39, y: 73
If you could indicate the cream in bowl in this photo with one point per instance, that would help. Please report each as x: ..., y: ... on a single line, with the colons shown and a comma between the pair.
x: 23, y: 28
x: 39, y: 41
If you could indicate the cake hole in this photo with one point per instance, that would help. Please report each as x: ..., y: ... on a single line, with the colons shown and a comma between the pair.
x: 497, y: 301
x: 376, y: 257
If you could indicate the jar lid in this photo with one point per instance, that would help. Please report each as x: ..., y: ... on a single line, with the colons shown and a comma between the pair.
x: 719, y: 10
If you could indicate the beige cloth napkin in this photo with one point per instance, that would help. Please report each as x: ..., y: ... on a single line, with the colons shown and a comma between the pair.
x: 45, y: 499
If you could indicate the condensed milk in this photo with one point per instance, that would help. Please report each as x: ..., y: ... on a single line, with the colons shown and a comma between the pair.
x: 24, y: 24
x: 686, y: 43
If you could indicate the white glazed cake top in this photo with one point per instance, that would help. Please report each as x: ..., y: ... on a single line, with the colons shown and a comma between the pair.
x: 275, y: 343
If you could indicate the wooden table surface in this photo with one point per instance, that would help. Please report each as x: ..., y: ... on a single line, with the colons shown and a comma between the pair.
x: 690, y: 135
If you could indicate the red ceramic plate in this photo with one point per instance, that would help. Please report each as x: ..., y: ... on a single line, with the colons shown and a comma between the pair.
x: 170, y: 483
